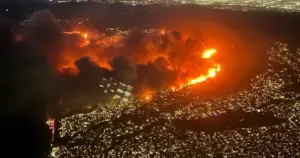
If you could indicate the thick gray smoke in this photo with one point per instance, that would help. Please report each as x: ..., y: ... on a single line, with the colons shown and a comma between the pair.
x: 44, y: 31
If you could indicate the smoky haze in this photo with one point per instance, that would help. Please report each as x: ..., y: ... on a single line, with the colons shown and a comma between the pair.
x: 149, y: 60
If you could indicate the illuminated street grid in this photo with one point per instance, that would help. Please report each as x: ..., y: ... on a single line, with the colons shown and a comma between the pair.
x: 137, y: 129
x: 278, y: 5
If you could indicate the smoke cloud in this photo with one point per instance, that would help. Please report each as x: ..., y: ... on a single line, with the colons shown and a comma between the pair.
x: 45, y: 32
x: 149, y: 60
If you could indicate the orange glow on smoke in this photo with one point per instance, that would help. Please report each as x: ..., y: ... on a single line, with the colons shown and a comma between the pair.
x: 68, y: 62
x: 95, y: 46
x: 68, y: 57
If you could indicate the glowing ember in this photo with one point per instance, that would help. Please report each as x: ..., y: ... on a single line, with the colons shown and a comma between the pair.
x: 162, y: 31
x: 173, y: 89
x: 208, y: 53
x: 148, y: 97
x: 85, y: 35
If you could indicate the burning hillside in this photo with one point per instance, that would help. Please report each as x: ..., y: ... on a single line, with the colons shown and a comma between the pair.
x: 147, y: 59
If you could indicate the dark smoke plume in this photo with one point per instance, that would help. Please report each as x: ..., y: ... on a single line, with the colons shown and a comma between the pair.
x: 45, y: 32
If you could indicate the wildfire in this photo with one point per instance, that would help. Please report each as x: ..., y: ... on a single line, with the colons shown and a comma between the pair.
x: 103, y: 48
x: 208, y: 53
x: 67, y: 59
x: 211, y: 73
x: 84, y: 35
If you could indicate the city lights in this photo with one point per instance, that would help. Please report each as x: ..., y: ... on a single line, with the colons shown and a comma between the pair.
x: 145, y: 129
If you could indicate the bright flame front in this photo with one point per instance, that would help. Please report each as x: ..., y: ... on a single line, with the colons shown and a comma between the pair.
x: 208, y: 53
x: 211, y: 73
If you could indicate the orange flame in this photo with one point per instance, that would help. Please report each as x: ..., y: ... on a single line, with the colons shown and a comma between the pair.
x: 148, y: 97
x: 162, y: 31
x: 103, y: 41
x: 67, y: 59
x: 84, y: 35
x: 211, y: 73
x: 208, y: 53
